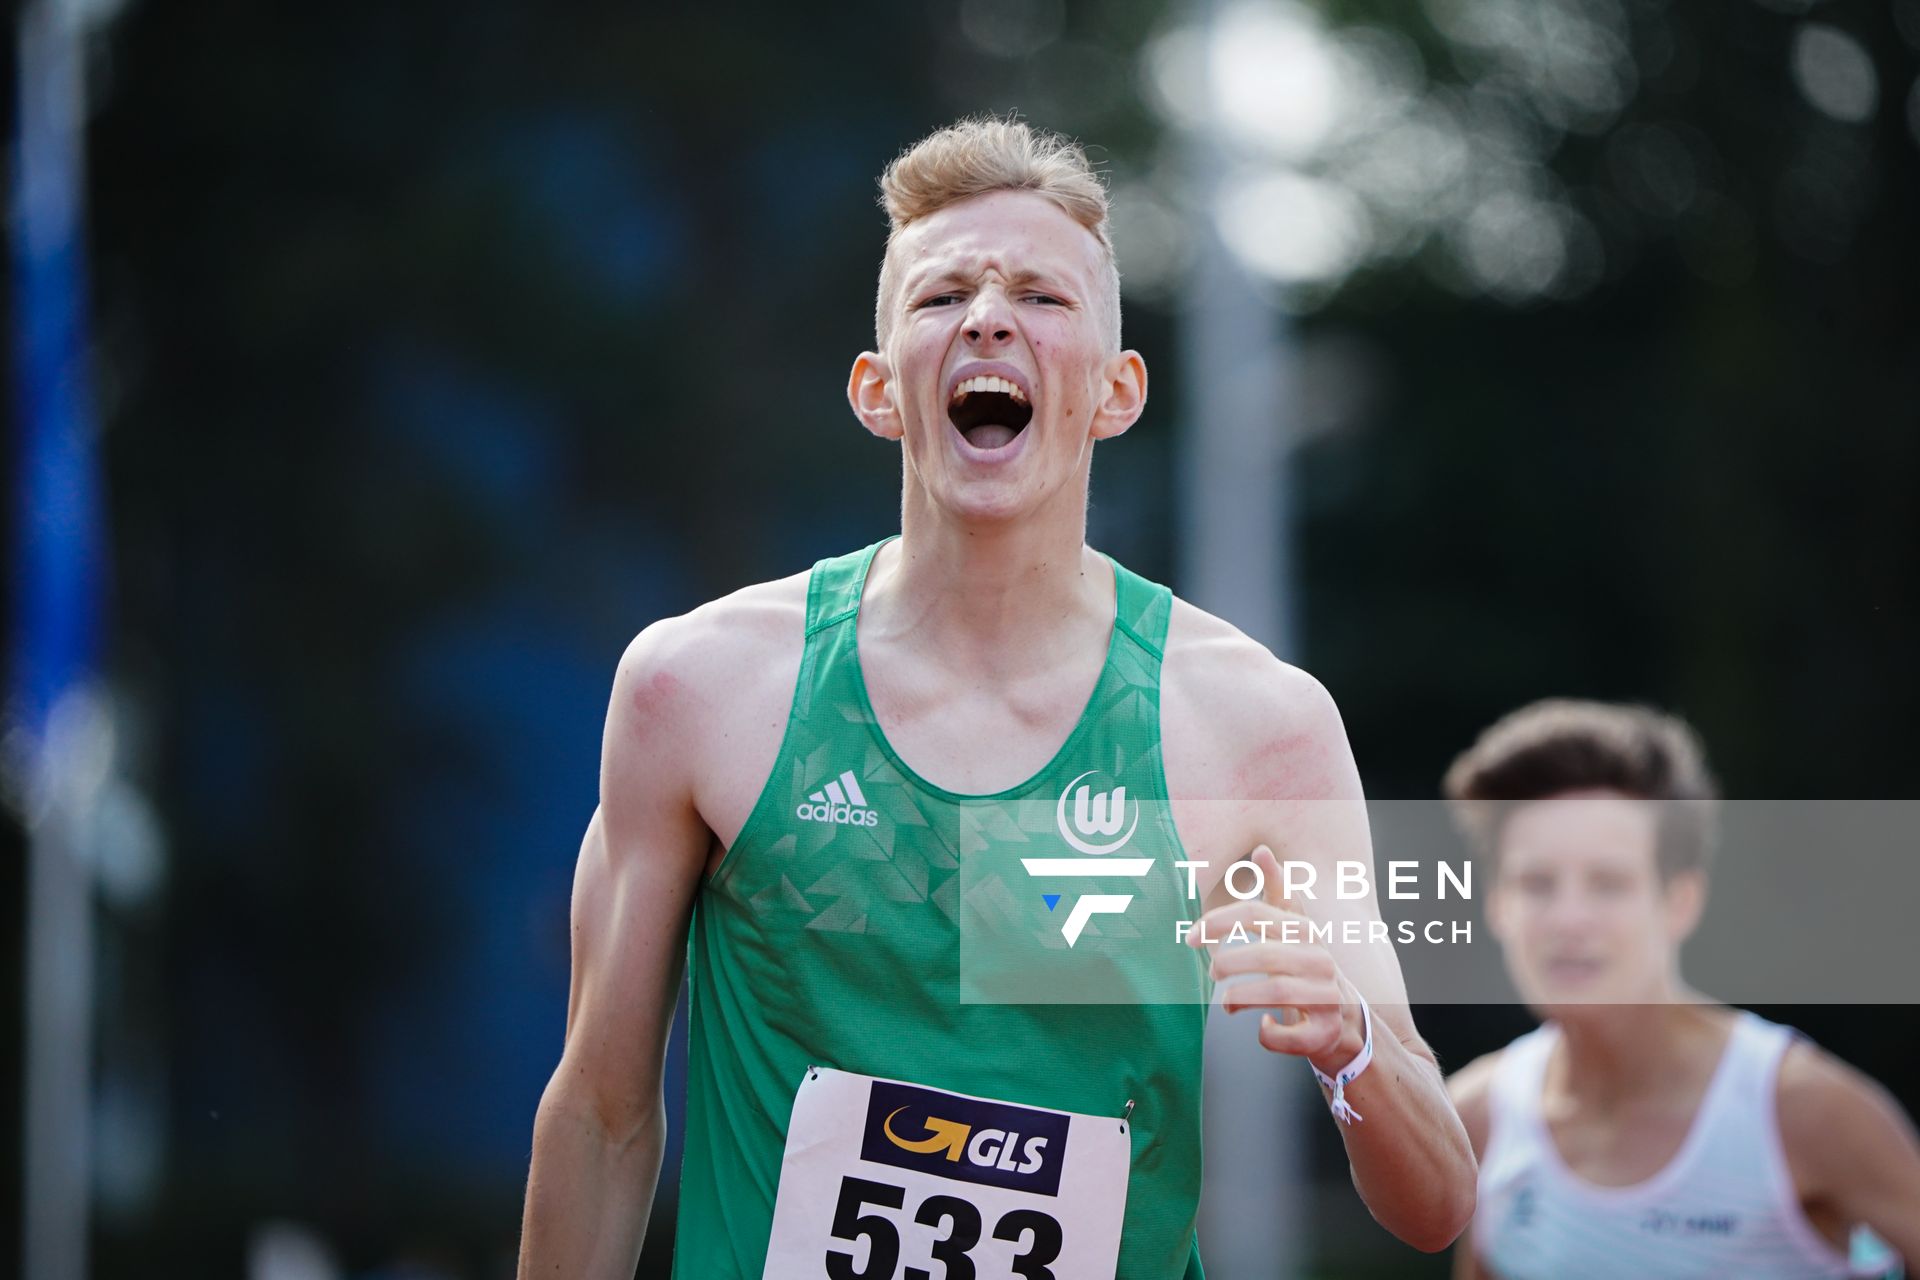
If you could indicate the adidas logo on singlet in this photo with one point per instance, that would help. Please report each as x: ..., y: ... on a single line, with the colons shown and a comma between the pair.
x: 840, y: 801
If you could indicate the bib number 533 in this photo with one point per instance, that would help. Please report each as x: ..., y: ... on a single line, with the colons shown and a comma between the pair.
x: 1037, y: 1235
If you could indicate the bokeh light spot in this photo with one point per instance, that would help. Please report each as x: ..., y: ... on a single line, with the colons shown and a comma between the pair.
x: 1834, y: 73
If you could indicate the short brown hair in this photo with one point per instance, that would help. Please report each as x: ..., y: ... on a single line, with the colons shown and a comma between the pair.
x: 980, y: 154
x: 1560, y: 745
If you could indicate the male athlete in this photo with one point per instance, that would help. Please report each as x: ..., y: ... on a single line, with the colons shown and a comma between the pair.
x: 810, y: 787
x: 1645, y: 1130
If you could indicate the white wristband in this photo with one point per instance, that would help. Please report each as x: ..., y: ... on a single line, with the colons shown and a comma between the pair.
x: 1347, y: 1074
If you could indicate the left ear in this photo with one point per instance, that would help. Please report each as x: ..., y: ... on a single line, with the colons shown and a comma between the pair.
x: 1124, y: 384
x: 1686, y: 896
x: 869, y: 392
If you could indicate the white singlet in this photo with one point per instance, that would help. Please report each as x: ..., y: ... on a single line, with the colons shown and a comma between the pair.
x: 1724, y: 1205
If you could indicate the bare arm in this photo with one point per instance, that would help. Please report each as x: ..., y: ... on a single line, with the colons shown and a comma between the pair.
x: 1852, y: 1151
x: 1468, y: 1089
x: 1410, y: 1157
x: 599, y: 1131
x: 1465, y: 1265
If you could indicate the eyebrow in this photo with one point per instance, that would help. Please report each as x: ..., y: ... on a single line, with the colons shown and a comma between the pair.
x: 1016, y: 280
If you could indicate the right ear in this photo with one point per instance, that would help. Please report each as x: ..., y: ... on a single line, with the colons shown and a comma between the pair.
x: 870, y: 392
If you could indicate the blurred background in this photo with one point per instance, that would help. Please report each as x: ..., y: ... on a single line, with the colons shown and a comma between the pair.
x: 379, y: 370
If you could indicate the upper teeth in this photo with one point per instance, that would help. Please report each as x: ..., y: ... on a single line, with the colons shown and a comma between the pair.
x: 988, y: 383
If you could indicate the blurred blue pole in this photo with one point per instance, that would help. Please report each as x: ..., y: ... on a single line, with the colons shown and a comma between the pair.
x: 57, y: 538
x: 55, y: 585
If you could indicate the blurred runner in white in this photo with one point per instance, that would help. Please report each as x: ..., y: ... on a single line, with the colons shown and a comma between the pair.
x: 1644, y: 1129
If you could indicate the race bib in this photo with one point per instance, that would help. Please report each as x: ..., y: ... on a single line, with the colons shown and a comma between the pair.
x: 889, y: 1181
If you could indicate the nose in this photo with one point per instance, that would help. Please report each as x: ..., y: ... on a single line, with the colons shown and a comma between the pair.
x: 1570, y: 912
x: 989, y: 321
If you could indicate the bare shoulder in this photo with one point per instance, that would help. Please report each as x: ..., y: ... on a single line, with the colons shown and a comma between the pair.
x: 1830, y: 1110
x: 700, y: 702
x: 1471, y: 1088
x: 1850, y: 1149
x: 700, y: 658
x: 1229, y: 697
x: 1220, y: 665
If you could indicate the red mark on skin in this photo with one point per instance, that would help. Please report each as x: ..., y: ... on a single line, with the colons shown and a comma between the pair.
x: 1291, y: 765
x: 653, y: 694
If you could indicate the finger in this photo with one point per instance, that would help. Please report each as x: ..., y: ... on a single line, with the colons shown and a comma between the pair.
x: 1315, y: 1034
x: 1275, y: 958
x: 1279, y: 992
x: 1258, y: 921
x: 1274, y: 886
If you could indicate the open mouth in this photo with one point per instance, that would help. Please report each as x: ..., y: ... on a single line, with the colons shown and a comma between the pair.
x: 1573, y: 970
x: 989, y: 411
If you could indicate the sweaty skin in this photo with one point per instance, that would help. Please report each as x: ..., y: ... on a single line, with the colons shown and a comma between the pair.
x: 982, y: 633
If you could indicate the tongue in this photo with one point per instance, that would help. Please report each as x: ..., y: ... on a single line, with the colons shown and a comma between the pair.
x: 990, y: 436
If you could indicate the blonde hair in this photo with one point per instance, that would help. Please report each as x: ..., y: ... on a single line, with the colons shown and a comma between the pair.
x: 980, y: 154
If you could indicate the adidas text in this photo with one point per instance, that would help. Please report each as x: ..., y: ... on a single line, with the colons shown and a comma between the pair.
x: 844, y: 814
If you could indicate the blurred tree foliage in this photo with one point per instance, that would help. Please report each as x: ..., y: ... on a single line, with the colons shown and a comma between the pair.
x: 445, y: 346
x: 1695, y: 485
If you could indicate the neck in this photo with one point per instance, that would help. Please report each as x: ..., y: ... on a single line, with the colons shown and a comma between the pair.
x: 1611, y: 1052
x: 1001, y: 587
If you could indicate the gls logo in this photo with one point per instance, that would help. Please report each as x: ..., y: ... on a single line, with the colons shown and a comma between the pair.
x: 990, y: 1148
x: 949, y: 1135
x: 1095, y: 814
x: 840, y: 801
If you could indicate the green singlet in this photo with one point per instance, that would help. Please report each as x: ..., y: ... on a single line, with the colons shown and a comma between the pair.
x: 835, y: 933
